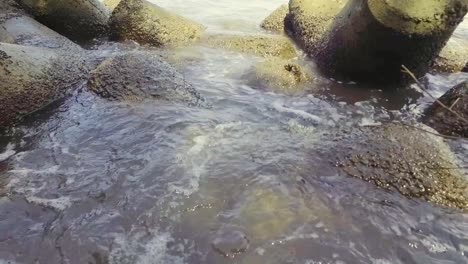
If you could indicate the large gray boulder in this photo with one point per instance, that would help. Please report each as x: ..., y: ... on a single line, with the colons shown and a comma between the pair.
x: 139, y: 76
x: 79, y: 20
x: 369, y: 40
x: 445, y: 121
x: 147, y: 23
x: 403, y: 158
x: 453, y: 57
x: 31, y: 78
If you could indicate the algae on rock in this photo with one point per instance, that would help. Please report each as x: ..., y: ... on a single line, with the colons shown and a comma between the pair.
x: 275, y: 21
x: 147, y: 23
x: 263, y: 46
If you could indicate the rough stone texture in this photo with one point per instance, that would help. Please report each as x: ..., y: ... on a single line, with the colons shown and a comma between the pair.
x: 31, y: 78
x: 453, y: 57
x: 79, y: 20
x: 138, y: 76
x: 286, y: 76
x: 264, y: 46
x: 443, y: 120
x: 406, y: 159
x: 147, y: 23
x: 230, y: 241
x: 111, y: 4
x: 369, y: 40
x: 309, y: 20
x: 275, y: 21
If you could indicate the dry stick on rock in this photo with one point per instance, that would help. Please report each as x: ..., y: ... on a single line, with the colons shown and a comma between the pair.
x: 421, y: 87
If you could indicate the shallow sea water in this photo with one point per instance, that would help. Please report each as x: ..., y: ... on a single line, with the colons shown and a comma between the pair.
x: 91, y: 181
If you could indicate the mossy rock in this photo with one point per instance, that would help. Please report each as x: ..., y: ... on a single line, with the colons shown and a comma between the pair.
x: 444, y: 121
x: 404, y: 158
x: 138, y: 76
x: 79, y: 20
x: 286, y: 76
x: 150, y: 24
x: 263, y: 46
x: 309, y: 20
x: 31, y: 78
x: 453, y: 57
x: 275, y: 21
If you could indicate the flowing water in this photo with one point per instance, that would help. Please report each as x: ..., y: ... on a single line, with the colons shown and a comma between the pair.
x: 92, y: 181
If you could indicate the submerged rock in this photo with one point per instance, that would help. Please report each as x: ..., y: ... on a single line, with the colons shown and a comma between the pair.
x: 268, y: 214
x: 279, y: 75
x: 275, y: 21
x: 403, y: 158
x: 444, y: 121
x: 453, y: 57
x: 264, y: 46
x: 147, y: 23
x: 230, y: 241
x: 31, y: 78
x: 138, y: 76
x: 79, y: 20
x: 369, y: 40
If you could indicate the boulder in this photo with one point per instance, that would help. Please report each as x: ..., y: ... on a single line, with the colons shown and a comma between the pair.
x: 286, y: 76
x: 79, y: 20
x: 275, y: 21
x: 369, y: 40
x: 230, y: 241
x: 31, y: 78
x: 444, y: 121
x: 147, y: 23
x: 453, y: 57
x: 138, y: 76
x: 309, y: 20
x: 404, y: 158
x: 263, y: 46
x: 24, y: 30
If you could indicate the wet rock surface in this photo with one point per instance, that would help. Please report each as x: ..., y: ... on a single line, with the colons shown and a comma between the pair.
x: 264, y: 46
x: 404, y: 158
x: 31, y: 78
x: 453, y: 57
x: 275, y: 21
x: 286, y: 76
x: 24, y: 30
x: 139, y: 76
x: 230, y: 241
x: 356, y: 40
x: 147, y: 23
x: 79, y: 20
x: 445, y: 121
x: 309, y: 20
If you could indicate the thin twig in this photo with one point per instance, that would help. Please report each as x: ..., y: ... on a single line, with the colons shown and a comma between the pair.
x: 454, y: 103
x: 421, y: 87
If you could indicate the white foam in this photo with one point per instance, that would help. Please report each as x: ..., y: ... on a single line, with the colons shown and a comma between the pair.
x: 278, y: 106
x: 58, y: 204
x: 9, y: 151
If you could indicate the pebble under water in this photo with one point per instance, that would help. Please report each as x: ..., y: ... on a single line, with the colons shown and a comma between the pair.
x: 243, y: 181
